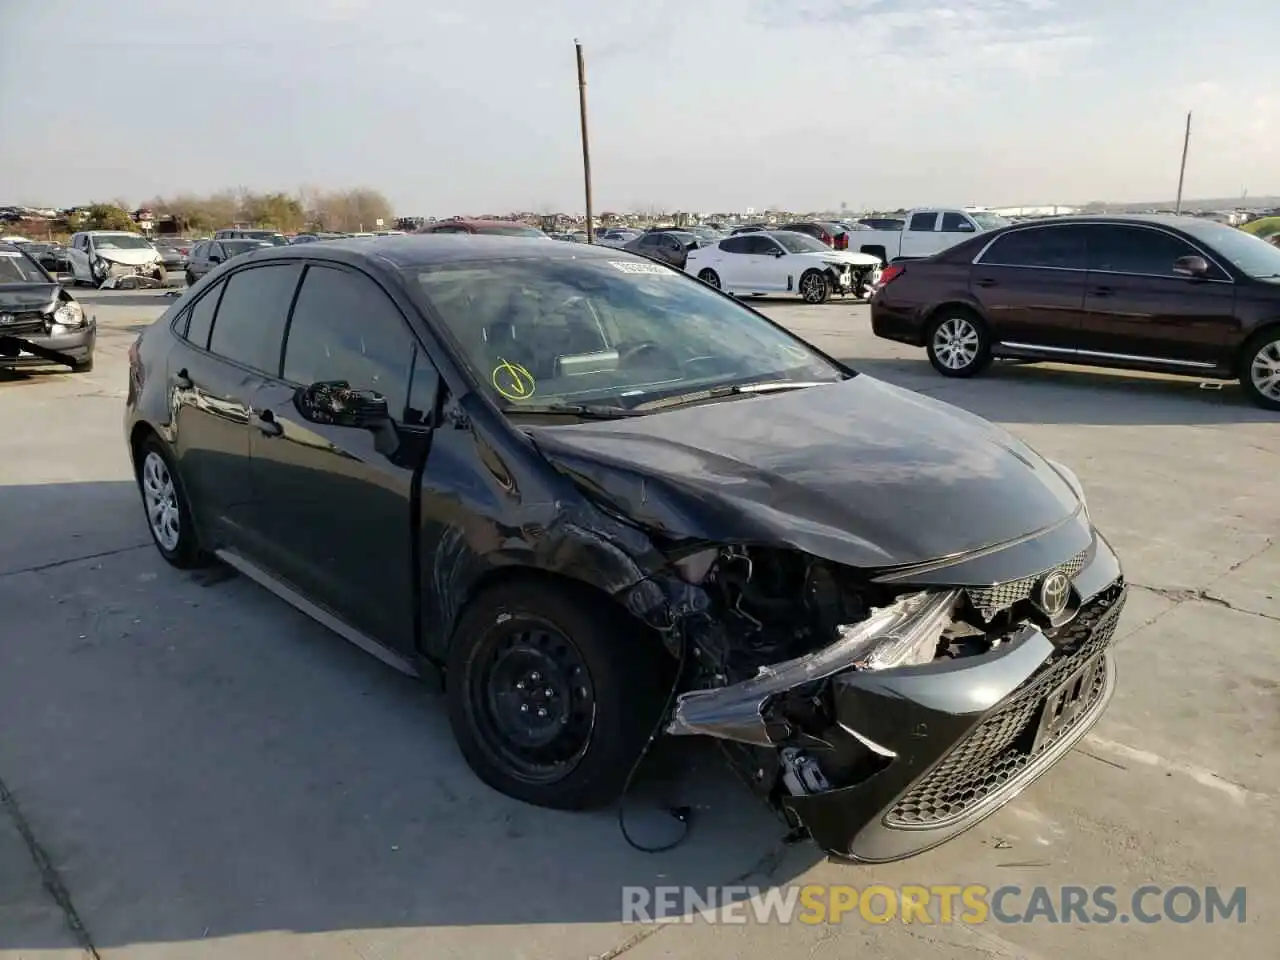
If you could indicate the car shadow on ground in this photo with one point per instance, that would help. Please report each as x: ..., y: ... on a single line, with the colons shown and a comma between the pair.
x: 1040, y: 393
x: 197, y: 760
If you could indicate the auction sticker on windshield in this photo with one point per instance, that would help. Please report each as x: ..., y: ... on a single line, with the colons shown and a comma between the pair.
x: 626, y: 266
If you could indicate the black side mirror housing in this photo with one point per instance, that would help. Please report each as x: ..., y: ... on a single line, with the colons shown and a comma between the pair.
x: 1192, y: 266
x: 334, y: 402
x: 214, y: 258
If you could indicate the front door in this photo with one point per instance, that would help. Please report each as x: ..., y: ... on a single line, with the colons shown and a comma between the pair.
x: 333, y: 504
x: 762, y: 265
x: 1136, y: 307
x: 1030, y: 284
x: 78, y: 256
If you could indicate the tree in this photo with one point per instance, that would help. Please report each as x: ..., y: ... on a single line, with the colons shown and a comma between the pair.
x: 278, y: 210
x: 106, y: 216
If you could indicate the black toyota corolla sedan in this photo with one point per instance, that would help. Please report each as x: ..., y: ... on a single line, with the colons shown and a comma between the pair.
x: 601, y: 501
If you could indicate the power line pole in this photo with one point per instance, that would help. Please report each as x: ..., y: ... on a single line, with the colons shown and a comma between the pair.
x: 586, y: 143
x: 1182, y: 170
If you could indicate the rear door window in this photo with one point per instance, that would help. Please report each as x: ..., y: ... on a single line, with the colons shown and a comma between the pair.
x: 1060, y: 247
x: 249, y: 326
x: 923, y: 222
x: 736, y: 244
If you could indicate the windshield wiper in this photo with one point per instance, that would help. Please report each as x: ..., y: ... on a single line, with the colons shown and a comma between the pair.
x: 587, y: 411
x: 729, y: 390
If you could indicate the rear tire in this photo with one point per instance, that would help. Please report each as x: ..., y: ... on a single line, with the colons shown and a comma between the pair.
x: 959, y: 345
x: 168, y: 514
x: 710, y: 278
x: 191, y: 280
x: 1260, y: 369
x: 550, y: 701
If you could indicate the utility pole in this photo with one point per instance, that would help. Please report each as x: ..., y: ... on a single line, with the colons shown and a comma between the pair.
x: 586, y: 143
x: 1182, y: 170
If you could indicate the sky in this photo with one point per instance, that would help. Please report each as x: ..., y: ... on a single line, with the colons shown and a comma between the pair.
x: 703, y: 105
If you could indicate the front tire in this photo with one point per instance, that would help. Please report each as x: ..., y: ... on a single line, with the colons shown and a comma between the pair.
x: 815, y: 287
x: 710, y: 278
x: 1260, y: 369
x: 551, y: 703
x: 191, y: 280
x: 959, y: 345
x: 167, y: 510
x: 84, y: 366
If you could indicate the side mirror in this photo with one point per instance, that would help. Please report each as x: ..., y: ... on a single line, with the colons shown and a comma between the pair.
x: 1192, y: 266
x: 335, y: 403
x: 215, y: 258
x: 779, y: 253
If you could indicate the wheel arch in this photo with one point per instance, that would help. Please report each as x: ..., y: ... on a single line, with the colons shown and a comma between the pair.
x: 934, y: 312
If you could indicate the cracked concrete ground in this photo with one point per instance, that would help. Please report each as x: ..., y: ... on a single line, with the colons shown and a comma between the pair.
x: 202, y: 772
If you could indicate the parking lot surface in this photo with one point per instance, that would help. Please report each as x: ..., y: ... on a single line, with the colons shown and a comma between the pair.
x: 189, y: 768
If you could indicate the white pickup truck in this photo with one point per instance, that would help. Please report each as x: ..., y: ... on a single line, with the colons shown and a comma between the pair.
x: 925, y: 231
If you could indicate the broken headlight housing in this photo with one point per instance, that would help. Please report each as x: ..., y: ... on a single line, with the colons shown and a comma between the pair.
x: 69, y: 314
x: 904, y: 633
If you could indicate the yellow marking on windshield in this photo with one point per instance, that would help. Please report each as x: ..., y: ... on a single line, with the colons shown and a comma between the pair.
x: 512, y: 380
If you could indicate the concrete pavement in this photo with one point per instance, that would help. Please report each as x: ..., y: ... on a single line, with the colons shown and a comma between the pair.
x: 192, y: 769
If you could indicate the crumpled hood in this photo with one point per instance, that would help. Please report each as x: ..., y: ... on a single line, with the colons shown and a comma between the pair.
x: 129, y: 258
x: 858, y: 472
x: 851, y: 258
x: 26, y: 297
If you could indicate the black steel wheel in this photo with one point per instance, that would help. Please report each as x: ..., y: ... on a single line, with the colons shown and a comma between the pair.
x: 551, y: 696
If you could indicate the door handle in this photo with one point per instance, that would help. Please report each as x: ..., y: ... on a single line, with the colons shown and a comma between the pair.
x: 183, y: 379
x: 986, y: 282
x: 1103, y: 291
x: 268, y: 425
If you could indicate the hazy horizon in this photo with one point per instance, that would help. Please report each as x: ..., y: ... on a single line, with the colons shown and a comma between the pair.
x: 719, y: 105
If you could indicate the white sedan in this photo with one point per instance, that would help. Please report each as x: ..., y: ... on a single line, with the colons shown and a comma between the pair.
x: 781, y: 261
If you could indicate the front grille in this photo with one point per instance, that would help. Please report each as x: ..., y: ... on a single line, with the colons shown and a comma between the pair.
x: 22, y: 324
x: 991, y: 756
x: 989, y: 601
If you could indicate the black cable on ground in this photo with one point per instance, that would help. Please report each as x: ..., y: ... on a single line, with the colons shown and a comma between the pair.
x: 683, y: 814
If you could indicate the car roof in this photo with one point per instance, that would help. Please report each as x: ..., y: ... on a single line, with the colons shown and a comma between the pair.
x: 426, y: 249
x: 114, y: 233
x: 475, y: 222
x: 1176, y: 221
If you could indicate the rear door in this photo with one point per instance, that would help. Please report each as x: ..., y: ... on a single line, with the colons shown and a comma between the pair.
x: 210, y: 417
x: 1137, y: 307
x: 333, y: 504
x: 1030, y: 283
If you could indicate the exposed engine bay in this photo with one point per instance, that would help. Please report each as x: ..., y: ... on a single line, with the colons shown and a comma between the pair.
x: 779, y: 625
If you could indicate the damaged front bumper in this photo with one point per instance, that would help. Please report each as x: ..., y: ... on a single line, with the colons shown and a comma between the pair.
x: 111, y: 275
x: 896, y: 761
x: 51, y: 343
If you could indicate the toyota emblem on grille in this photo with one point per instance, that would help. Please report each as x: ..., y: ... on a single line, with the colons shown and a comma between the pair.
x: 1053, y: 592
x: 6, y: 319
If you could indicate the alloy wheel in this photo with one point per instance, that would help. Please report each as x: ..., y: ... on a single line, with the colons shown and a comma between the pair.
x: 956, y: 343
x: 1264, y: 370
x: 161, y: 499
x: 813, y: 288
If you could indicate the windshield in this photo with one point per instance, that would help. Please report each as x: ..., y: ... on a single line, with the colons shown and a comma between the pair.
x: 989, y: 221
x: 608, y: 332
x: 800, y: 242
x: 1250, y: 255
x: 16, y: 267
x: 120, y: 241
x: 511, y: 231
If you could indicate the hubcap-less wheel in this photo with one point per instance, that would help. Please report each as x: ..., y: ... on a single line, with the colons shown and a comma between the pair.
x: 161, y: 499
x: 956, y: 343
x: 1264, y: 371
x: 535, y: 702
x: 709, y: 278
x: 814, y: 288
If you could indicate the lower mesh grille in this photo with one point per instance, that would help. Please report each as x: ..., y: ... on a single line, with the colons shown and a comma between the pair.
x: 1000, y: 747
